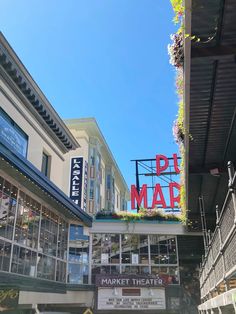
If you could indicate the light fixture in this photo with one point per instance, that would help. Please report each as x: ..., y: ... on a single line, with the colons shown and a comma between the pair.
x: 215, y: 172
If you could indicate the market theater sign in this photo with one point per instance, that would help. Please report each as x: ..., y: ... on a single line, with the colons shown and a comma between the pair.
x: 141, y: 198
x: 130, y: 292
x: 130, y: 281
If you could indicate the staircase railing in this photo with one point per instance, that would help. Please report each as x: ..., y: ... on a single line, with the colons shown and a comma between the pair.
x: 219, y: 262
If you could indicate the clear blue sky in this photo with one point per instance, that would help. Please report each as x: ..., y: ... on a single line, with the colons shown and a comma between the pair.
x: 105, y: 59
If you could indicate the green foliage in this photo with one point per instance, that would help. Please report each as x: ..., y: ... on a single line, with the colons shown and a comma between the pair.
x: 178, y: 9
x: 143, y: 214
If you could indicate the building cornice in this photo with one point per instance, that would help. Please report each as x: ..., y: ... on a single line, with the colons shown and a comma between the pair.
x: 19, y: 79
x: 88, y: 124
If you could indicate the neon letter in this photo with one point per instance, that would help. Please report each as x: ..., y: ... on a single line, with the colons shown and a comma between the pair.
x: 176, y: 163
x: 161, y: 201
x: 173, y: 198
x: 142, y: 195
x: 160, y: 168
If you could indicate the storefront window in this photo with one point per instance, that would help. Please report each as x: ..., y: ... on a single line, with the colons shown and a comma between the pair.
x: 77, y: 273
x: 163, y: 250
x: 40, y: 237
x: 62, y: 239
x: 48, y: 232
x: 75, y: 232
x: 23, y: 261
x: 46, y: 267
x: 5, y: 252
x: 8, y: 196
x: 78, y: 256
x: 130, y: 253
x: 27, y: 221
x: 61, y: 271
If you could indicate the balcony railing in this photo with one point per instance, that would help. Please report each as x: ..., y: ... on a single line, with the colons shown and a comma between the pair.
x: 219, y: 263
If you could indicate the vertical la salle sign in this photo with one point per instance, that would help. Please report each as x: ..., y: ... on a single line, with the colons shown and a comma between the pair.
x: 140, y: 197
x: 76, y: 177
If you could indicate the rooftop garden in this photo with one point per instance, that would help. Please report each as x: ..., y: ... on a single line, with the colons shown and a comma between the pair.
x: 143, y: 215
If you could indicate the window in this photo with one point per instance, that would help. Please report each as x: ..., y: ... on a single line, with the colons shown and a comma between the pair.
x: 48, y: 232
x: 46, y: 160
x: 12, y: 135
x: 91, y: 190
x: 39, y: 236
x: 92, y: 156
x: 27, y: 221
x: 108, y: 181
x: 78, y: 262
x: 8, y: 196
x: 23, y: 261
x: 5, y: 252
x: 76, y: 232
x: 135, y: 254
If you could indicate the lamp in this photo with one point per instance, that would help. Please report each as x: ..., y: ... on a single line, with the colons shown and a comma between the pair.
x: 215, y: 172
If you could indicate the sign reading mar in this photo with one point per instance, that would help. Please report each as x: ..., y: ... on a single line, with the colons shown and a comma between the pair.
x: 140, y: 198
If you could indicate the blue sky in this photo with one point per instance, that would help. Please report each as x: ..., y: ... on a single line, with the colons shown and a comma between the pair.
x: 105, y: 59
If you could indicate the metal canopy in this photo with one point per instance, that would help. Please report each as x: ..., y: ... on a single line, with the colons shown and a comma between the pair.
x: 30, y: 177
x: 212, y: 102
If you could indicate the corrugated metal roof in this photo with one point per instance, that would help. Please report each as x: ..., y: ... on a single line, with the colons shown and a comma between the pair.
x: 212, y: 101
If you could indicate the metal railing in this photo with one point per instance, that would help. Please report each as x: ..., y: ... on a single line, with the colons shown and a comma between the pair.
x: 219, y: 262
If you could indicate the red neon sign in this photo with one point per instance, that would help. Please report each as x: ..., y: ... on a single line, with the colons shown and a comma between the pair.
x: 140, y: 198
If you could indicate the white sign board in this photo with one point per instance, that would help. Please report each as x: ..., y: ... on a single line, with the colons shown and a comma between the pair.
x: 104, y: 258
x: 135, y: 259
x: 149, y: 299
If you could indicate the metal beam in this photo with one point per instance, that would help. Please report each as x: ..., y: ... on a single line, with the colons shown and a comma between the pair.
x: 215, y: 53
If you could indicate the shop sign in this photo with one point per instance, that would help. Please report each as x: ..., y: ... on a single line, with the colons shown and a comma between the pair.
x: 135, y: 259
x: 8, y: 299
x: 104, y: 258
x: 158, y: 200
x: 130, y: 281
x: 115, y: 299
x: 12, y: 135
x: 76, y: 175
x: 85, y: 184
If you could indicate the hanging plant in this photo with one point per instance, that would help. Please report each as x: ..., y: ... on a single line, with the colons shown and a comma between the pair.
x: 176, y: 50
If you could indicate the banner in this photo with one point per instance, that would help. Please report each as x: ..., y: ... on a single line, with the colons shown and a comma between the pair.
x: 76, y: 177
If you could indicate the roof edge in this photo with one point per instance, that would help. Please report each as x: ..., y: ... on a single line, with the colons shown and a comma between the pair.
x: 40, y: 105
x: 71, y: 122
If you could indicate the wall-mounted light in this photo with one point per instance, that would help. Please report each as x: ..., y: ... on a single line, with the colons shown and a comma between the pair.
x: 215, y: 172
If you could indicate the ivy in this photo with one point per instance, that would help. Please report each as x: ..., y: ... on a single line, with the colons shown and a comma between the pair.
x: 176, y: 52
x: 178, y: 9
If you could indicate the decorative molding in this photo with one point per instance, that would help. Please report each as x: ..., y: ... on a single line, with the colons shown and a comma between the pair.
x: 22, y: 83
x: 30, y: 122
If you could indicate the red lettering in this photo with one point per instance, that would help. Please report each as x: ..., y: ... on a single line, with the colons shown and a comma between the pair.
x: 139, y: 197
x: 176, y: 163
x: 158, y: 192
x: 174, y: 198
x: 160, y: 168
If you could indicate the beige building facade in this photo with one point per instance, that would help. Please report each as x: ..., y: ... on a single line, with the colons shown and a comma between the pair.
x: 103, y: 186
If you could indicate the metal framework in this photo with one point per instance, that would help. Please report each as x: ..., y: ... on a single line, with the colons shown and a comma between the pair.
x: 146, y: 173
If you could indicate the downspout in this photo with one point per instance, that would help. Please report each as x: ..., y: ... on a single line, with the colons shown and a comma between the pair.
x: 35, y: 307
